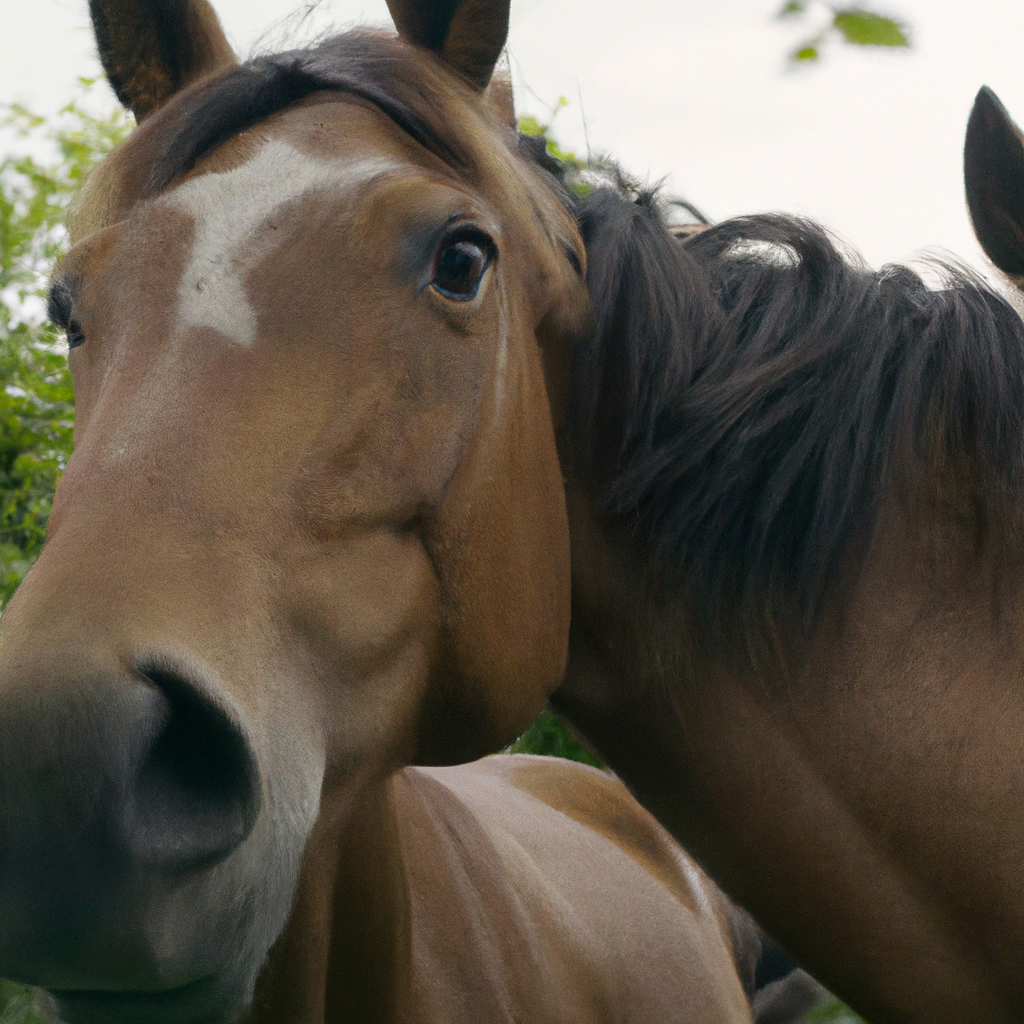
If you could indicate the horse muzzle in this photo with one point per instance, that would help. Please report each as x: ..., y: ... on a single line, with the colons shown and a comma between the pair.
x: 133, y: 840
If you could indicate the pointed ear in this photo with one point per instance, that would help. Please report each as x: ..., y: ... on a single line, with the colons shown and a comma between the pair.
x: 467, y: 34
x: 499, y: 96
x: 151, y: 49
x: 994, y: 179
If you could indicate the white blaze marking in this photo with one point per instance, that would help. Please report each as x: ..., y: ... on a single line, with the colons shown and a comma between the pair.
x: 229, y: 208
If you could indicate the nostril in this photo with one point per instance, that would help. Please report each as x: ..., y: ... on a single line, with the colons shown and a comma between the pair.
x: 196, y: 795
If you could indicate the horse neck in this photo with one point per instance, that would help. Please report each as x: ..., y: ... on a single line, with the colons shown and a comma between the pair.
x: 344, y: 955
x: 886, y: 764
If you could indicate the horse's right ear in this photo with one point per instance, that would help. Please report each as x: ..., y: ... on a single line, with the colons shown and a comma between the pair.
x: 469, y: 35
x: 151, y: 49
x: 994, y: 180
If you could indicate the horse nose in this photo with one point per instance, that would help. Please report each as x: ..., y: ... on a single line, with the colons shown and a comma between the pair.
x: 146, y: 771
x: 195, y: 795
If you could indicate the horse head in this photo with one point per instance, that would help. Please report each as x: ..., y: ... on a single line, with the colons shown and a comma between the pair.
x: 314, y: 526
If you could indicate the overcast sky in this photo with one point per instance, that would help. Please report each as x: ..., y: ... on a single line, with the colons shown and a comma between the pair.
x: 693, y: 90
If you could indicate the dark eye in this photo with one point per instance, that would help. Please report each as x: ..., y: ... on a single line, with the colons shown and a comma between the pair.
x: 76, y: 336
x: 460, y: 265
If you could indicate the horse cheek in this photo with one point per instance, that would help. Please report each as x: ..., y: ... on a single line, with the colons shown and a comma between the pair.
x: 500, y: 545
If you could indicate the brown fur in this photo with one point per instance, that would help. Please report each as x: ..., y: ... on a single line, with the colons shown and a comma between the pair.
x: 457, y: 896
x: 468, y: 35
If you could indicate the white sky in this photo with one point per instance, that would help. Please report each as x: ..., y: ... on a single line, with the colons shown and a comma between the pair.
x: 696, y: 90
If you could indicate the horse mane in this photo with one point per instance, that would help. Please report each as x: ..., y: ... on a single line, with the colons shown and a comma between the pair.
x: 747, y: 397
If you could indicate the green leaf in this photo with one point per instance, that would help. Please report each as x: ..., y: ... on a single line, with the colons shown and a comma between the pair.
x: 549, y: 735
x: 831, y: 1011
x: 864, y: 28
x: 36, y: 411
x: 792, y: 7
x: 805, y: 53
x: 529, y: 125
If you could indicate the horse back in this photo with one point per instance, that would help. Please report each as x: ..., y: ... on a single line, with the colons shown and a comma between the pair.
x: 541, y: 892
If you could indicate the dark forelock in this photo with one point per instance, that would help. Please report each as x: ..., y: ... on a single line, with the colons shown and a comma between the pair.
x: 371, y: 66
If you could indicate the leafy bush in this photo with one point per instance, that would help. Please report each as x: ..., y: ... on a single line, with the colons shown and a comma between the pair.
x: 36, y: 414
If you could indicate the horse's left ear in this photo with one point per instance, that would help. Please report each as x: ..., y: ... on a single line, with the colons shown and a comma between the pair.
x: 151, y: 49
x: 467, y: 34
x: 994, y: 179
x: 499, y: 96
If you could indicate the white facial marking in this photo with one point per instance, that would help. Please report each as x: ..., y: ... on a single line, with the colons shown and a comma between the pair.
x: 229, y: 208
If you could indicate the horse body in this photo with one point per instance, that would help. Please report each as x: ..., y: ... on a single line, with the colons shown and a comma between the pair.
x: 509, y: 889
x: 794, y: 496
x: 782, y: 786
x: 314, y: 531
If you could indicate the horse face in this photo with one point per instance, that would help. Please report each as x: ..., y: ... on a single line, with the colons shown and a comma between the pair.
x: 313, y: 529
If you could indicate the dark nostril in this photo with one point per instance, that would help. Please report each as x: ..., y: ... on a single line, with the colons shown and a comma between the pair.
x: 196, y: 795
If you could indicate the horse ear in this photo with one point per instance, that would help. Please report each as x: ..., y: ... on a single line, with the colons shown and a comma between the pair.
x: 499, y: 97
x: 467, y: 34
x: 994, y: 180
x: 151, y: 49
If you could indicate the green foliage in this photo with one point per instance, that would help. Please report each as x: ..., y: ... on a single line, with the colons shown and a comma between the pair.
x: 862, y: 28
x: 36, y: 414
x: 529, y: 125
x: 852, y: 25
x: 832, y: 1011
x: 20, y: 1005
x: 549, y: 735
x: 806, y: 52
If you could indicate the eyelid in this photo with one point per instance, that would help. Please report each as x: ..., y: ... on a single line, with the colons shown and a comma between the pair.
x: 75, y: 334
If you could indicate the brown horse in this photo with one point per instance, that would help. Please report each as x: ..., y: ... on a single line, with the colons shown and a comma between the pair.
x: 314, y: 531
x: 796, y: 500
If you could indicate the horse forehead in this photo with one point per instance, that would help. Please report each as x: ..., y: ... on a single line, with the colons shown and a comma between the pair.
x: 228, y: 209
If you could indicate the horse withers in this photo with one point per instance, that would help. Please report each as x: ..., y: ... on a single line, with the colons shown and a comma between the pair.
x: 314, y: 531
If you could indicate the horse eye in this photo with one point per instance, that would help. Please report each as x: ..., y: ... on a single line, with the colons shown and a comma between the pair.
x: 76, y: 336
x: 459, y: 267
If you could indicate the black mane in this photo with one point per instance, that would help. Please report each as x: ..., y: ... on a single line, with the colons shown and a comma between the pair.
x: 747, y: 396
